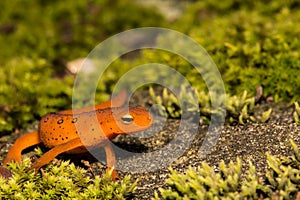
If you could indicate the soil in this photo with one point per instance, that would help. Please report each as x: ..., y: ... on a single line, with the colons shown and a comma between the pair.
x: 147, y: 156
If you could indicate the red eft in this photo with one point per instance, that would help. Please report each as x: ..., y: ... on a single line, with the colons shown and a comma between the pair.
x: 60, y: 132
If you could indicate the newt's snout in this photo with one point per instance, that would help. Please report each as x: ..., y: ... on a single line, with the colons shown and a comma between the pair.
x: 141, y: 117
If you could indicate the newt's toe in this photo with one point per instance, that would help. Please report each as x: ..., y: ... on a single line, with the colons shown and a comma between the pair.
x: 114, y: 174
x: 4, y: 172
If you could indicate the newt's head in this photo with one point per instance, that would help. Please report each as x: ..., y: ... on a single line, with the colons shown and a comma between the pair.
x: 130, y: 120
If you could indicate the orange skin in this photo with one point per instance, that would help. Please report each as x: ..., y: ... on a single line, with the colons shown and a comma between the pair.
x: 71, y: 131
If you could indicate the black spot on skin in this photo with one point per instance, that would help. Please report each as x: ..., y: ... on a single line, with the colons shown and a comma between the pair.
x: 62, y: 138
x: 59, y: 136
x: 56, y: 139
x: 53, y: 129
x: 53, y: 138
x: 111, y: 128
x: 74, y: 120
x: 93, y: 129
x: 67, y: 138
x: 76, y: 132
x: 60, y: 121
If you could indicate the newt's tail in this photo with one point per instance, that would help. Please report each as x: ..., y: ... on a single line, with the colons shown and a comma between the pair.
x: 14, y: 154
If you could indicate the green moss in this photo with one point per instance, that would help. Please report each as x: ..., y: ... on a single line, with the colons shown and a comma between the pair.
x: 37, y: 44
x: 61, y: 181
x: 60, y: 31
x: 296, y: 113
x: 239, y: 108
x: 282, y: 181
x: 205, y: 183
x: 251, y: 43
x: 28, y: 91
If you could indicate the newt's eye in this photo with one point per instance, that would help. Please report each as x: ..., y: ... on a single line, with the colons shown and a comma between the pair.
x: 127, y: 119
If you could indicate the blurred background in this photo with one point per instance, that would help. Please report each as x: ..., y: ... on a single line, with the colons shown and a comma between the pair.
x: 253, y: 43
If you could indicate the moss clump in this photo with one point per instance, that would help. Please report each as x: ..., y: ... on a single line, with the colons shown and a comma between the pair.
x: 205, y: 183
x: 29, y: 91
x: 251, y: 43
x: 239, y: 108
x: 61, y: 181
x: 282, y: 181
x: 284, y: 174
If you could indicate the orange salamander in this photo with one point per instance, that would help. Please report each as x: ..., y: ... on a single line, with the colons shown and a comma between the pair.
x: 96, y: 125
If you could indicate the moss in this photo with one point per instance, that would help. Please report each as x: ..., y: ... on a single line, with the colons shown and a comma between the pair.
x: 296, y: 113
x: 282, y: 181
x: 239, y: 108
x: 60, y: 31
x: 252, y: 44
x: 28, y: 91
x: 37, y: 44
x: 61, y: 181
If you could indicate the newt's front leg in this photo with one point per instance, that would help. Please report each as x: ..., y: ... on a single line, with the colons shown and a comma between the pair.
x: 71, y: 145
x: 111, y: 161
x: 55, y: 151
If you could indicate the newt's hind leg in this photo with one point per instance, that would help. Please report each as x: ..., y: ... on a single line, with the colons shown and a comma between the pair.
x: 55, y: 151
x: 23, y: 142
